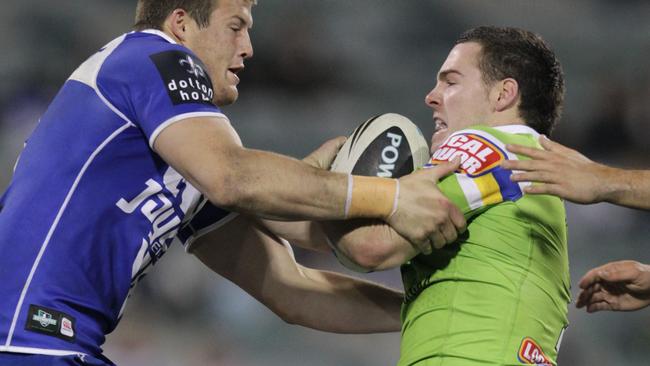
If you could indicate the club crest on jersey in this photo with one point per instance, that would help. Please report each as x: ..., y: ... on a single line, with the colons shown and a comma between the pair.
x: 477, y: 154
x: 530, y: 353
x: 193, y: 67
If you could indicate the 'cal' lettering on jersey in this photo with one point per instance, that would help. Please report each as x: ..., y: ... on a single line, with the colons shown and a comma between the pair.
x: 477, y: 154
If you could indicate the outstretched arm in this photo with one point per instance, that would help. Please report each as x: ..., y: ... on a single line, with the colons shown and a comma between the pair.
x: 260, y: 264
x: 566, y: 173
x: 615, y: 286
x: 208, y: 152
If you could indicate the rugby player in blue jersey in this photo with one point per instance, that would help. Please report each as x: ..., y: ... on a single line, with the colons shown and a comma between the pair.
x: 124, y: 162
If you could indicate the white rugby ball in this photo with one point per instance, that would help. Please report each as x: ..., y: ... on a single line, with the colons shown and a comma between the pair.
x: 388, y: 145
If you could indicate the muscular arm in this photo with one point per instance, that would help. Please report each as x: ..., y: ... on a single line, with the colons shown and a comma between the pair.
x: 208, y: 153
x: 258, y: 263
x: 370, y: 245
x: 566, y: 173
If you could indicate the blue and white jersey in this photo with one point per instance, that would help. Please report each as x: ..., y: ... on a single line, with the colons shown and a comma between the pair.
x: 91, y: 206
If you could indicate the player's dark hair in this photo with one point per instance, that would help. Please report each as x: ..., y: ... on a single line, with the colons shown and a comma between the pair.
x: 152, y: 13
x: 527, y: 58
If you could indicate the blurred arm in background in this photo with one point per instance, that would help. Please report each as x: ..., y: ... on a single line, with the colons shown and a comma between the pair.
x: 615, y: 286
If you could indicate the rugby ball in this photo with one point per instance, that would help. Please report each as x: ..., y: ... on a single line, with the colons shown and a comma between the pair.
x: 388, y: 146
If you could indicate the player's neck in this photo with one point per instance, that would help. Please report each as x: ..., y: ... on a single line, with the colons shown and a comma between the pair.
x: 504, y: 118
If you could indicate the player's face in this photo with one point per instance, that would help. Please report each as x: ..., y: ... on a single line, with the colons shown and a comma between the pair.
x: 223, y: 46
x: 460, y: 97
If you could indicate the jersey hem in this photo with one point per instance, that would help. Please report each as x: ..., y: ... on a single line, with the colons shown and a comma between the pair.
x: 189, y: 245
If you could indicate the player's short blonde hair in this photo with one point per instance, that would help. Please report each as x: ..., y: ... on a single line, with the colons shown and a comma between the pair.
x: 152, y: 13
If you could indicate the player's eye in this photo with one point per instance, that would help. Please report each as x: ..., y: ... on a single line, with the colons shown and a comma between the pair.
x: 235, y: 27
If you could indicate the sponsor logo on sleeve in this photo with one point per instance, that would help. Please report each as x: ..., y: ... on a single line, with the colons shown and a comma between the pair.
x: 530, y: 353
x: 50, y: 322
x: 184, y: 76
x: 477, y: 154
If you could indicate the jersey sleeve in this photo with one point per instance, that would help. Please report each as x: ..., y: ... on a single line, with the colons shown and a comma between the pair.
x: 480, y: 181
x: 205, y: 218
x: 154, y: 84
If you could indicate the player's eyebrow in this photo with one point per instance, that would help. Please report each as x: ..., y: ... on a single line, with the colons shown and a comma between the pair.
x: 244, y: 22
x: 445, y: 73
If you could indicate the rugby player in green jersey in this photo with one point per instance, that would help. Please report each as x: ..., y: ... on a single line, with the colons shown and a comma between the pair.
x: 566, y: 173
x: 499, y: 294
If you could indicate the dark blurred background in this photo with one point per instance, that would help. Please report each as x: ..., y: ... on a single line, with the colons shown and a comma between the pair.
x: 320, y: 68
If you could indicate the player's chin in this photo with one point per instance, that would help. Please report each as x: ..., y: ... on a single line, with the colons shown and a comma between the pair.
x: 438, y: 138
x: 227, y: 96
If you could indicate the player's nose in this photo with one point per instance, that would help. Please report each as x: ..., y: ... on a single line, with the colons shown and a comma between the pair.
x: 432, y: 99
x: 246, y: 47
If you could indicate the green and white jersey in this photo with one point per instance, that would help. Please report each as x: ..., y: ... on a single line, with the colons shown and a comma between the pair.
x: 499, y: 295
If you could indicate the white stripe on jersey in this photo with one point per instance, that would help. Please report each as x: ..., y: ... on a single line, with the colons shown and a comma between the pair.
x: 471, y: 191
x: 88, y: 71
x: 55, y: 224
x: 40, y: 351
x: 180, y: 117
x: 518, y: 129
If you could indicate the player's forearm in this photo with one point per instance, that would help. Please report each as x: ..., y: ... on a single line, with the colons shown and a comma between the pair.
x: 305, y: 234
x: 370, y: 244
x: 337, y: 303
x: 629, y: 188
x: 275, y: 186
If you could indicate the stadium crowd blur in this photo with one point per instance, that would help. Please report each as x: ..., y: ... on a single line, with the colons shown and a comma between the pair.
x: 320, y: 68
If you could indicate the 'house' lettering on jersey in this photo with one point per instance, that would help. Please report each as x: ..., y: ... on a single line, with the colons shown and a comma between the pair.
x: 184, y: 77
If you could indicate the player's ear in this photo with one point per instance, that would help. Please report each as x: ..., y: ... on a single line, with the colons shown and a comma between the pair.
x: 177, y: 24
x: 506, y: 94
